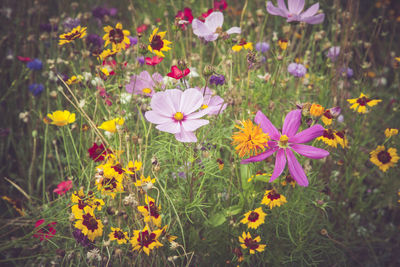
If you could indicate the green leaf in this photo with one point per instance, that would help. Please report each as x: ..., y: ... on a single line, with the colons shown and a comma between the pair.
x: 217, y: 219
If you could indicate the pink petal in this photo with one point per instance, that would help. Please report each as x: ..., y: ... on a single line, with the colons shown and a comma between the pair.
x: 173, y: 99
x: 307, y: 135
x: 292, y: 123
x: 214, y: 20
x: 260, y: 156
x: 311, y: 11
x: 280, y: 163
x: 273, y: 10
x: 234, y: 30
x: 211, y: 37
x: 193, y: 125
x: 266, y: 125
x: 295, y: 169
x: 169, y: 127
x: 157, y: 118
x: 191, y: 101
x: 39, y: 222
x: 200, y: 29
x: 295, y: 6
x: 310, y: 151
x: 317, y: 19
x: 158, y: 78
x: 186, y: 137
x: 197, y: 115
x: 160, y: 104
x: 282, y: 5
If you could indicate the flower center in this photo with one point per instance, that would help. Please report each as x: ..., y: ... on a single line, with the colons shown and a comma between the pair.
x: 146, y: 90
x: 157, y: 43
x: 384, y: 157
x: 251, y: 244
x: 178, y: 116
x: 153, y: 210
x: 363, y: 101
x: 116, y: 36
x: 119, y: 235
x: 109, y: 183
x: 283, y: 141
x: 273, y: 195
x: 145, y: 239
x: 90, y: 222
x: 253, y: 216
x: 329, y: 134
x: 204, y: 106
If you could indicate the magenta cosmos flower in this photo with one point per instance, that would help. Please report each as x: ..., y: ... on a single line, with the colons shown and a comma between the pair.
x: 212, y: 27
x: 175, y: 112
x: 144, y: 84
x: 286, y: 142
x: 294, y: 13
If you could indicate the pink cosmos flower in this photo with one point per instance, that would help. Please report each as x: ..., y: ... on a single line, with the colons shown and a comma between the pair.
x: 144, y: 84
x: 211, y: 27
x: 288, y: 141
x: 295, y: 11
x: 175, y: 112
x: 63, y: 187
x: 213, y: 103
x: 45, y: 232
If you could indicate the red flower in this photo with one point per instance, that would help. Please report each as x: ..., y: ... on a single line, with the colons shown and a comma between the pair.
x: 206, y: 14
x: 154, y: 60
x: 177, y: 73
x: 24, y: 59
x: 63, y: 188
x: 220, y: 5
x: 45, y: 232
x: 97, y: 152
x: 185, y: 17
x: 141, y: 28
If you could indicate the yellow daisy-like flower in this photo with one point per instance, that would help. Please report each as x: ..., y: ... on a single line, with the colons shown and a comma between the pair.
x: 242, y: 45
x: 247, y: 242
x: 289, y: 180
x: 82, y: 200
x: 60, y: 118
x: 254, y: 218
x: 250, y: 140
x: 283, y: 44
x: 110, y: 185
x: 74, y: 80
x: 316, y: 110
x: 89, y: 225
x: 119, y: 235
x: 144, y: 181
x: 164, y: 232
x: 145, y: 240
x: 327, y: 117
x: 341, y: 139
x: 134, y: 168
x: 389, y: 132
x: 273, y: 199
x: 158, y: 43
x: 117, y: 36
x: 154, y: 214
x: 106, y: 53
x: 360, y: 104
x: 112, y: 125
x: 329, y: 137
x: 75, y: 33
x: 384, y: 159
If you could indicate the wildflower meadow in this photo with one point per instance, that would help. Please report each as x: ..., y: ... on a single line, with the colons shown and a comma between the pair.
x: 200, y: 133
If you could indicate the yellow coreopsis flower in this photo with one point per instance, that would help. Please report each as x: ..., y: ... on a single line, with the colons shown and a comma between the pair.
x: 158, y: 43
x: 112, y: 125
x: 60, y: 118
x: 117, y: 36
x: 89, y: 225
x: 273, y: 199
x: 383, y: 158
x: 145, y: 240
x: 360, y: 104
x: 253, y: 244
x: 119, y: 235
x: 151, y: 212
x: 254, y: 218
x: 75, y: 33
x: 242, y: 45
x: 389, y: 132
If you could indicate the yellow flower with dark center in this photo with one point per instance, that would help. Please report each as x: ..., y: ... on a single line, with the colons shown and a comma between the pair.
x: 157, y: 43
x: 389, y: 132
x: 283, y: 44
x: 74, y: 80
x: 118, y: 37
x: 254, y: 218
x: 316, y: 110
x: 384, y: 159
x: 253, y: 244
x: 329, y: 137
x: 119, y: 235
x: 327, y: 117
x: 273, y: 199
x: 145, y: 240
x: 82, y: 200
x: 151, y: 212
x: 75, y: 33
x: 110, y: 184
x: 112, y: 125
x: 143, y: 181
x: 106, y: 53
x: 242, y: 45
x: 134, y: 168
x: 341, y: 139
x: 289, y: 180
x: 250, y: 140
x: 89, y: 225
x: 360, y: 104
x: 60, y: 118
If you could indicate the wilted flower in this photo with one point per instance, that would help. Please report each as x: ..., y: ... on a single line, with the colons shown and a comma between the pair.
x: 212, y: 27
x: 297, y: 70
x: 294, y: 13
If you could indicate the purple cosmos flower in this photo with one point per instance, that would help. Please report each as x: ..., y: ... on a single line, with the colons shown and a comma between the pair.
x: 294, y: 13
x: 175, y: 112
x: 211, y: 27
x: 213, y: 103
x: 262, y: 47
x: 36, y: 88
x: 286, y: 142
x: 217, y: 79
x: 297, y: 70
x: 144, y: 84
x: 35, y: 64
x: 333, y: 53
x: 70, y: 23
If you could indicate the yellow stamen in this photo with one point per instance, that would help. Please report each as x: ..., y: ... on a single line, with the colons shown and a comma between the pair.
x: 178, y: 116
x: 283, y: 141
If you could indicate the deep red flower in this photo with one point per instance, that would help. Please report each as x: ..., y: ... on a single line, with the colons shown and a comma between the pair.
x: 142, y: 28
x: 45, y: 232
x: 97, y: 152
x: 185, y: 16
x: 63, y: 187
x: 220, y: 5
x: 153, y: 60
x: 24, y: 59
x: 206, y: 14
x: 176, y: 73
